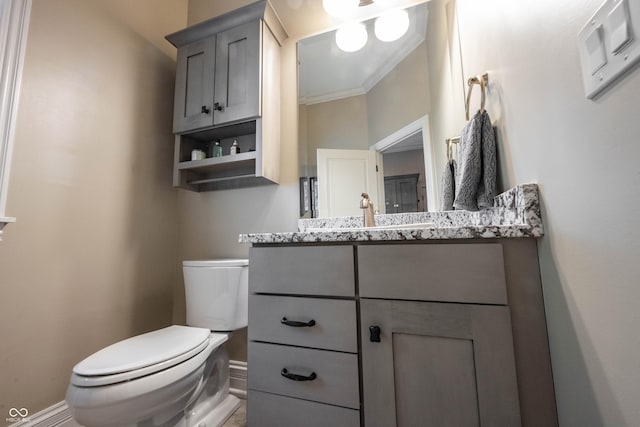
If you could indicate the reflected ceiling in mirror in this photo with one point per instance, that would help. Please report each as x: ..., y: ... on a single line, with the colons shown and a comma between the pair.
x: 327, y: 73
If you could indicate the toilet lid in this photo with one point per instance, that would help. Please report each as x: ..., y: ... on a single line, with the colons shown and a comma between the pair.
x: 145, y: 350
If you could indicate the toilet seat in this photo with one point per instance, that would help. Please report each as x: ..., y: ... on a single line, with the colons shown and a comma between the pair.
x: 143, y: 355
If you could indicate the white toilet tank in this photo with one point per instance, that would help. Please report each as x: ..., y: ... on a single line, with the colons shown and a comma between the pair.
x: 217, y: 293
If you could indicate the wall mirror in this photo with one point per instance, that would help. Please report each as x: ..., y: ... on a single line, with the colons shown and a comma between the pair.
x: 372, y: 120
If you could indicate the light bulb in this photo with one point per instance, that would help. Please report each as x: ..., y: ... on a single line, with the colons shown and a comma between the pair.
x: 351, y: 37
x: 340, y: 8
x: 392, y: 25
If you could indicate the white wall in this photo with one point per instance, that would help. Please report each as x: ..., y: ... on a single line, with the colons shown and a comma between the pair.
x: 585, y: 156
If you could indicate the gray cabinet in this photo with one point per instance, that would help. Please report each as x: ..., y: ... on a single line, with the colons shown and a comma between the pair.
x: 423, y: 360
x: 432, y: 333
x: 218, y: 79
x: 303, y: 337
x: 228, y: 90
x: 437, y: 364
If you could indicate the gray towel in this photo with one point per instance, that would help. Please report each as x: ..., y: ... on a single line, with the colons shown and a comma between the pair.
x: 476, y: 176
x: 448, y: 186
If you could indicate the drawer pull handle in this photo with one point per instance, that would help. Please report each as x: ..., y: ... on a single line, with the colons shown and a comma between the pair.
x: 297, y: 377
x: 296, y: 324
x: 374, y: 333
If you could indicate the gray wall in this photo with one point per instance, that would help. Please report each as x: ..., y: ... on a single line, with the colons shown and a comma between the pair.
x: 584, y: 155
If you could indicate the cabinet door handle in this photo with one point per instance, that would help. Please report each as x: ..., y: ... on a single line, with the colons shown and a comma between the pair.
x: 218, y: 107
x: 374, y: 333
x: 297, y: 377
x: 296, y: 324
x: 205, y: 109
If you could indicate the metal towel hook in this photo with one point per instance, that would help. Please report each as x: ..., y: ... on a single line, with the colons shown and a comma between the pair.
x: 483, y: 81
x: 450, y: 142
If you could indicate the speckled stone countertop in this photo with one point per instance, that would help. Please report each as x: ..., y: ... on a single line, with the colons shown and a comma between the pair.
x: 516, y: 213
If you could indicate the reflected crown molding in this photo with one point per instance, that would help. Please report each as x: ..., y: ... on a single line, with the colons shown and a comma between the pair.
x: 358, y: 72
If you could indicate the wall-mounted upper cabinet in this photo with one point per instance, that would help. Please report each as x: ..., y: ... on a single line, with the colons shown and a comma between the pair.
x: 218, y: 79
x: 228, y: 91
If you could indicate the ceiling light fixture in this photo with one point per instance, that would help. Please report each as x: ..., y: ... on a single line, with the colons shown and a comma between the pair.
x: 351, y: 37
x: 391, y: 25
x: 340, y: 8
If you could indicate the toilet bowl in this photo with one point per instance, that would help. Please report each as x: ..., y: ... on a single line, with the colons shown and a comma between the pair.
x: 175, y: 376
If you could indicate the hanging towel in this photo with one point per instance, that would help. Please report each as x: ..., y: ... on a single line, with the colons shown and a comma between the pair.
x: 476, y: 174
x: 487, y: 187
x: 448, y: 192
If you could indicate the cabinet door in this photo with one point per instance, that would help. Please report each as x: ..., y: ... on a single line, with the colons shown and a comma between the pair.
x: 237, y: 80
x: 437, y: 364
x: 193, y: 101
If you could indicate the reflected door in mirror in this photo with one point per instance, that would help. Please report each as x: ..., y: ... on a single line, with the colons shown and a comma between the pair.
x: 401, y: 193
x: 343, y: 175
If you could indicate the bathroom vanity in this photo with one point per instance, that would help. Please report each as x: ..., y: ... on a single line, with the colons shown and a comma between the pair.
x: 442, y: 325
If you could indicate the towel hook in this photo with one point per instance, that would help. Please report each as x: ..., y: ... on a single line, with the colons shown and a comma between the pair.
x: 483, y: 81
x: 450, y: 142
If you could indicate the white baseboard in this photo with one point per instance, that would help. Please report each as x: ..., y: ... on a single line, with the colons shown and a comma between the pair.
x: 59, y: 415
x: 238, y: 378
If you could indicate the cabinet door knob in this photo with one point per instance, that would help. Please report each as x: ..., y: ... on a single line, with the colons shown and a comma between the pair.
x: 218, y: 107
x: 296, y: 324
x: 205, y: 110
x: 374, y: 333
x: 297, y: 377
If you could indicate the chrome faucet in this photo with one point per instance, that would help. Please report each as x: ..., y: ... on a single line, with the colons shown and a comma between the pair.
x: 367, y: 205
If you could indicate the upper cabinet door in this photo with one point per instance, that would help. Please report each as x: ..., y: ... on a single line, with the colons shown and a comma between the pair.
x: 237, y: 79
x: 193, y: 102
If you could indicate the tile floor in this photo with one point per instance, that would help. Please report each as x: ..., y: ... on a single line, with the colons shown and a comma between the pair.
x: 239, y: 418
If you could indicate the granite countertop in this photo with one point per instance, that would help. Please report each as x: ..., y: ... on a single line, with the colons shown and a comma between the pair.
x: 516, y: 213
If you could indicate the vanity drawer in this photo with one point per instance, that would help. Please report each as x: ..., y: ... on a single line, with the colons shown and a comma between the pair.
x: 336, y: 374
x: 270, y: 410
x: 472, y: 273
x: 334, y: 322
x: 307, y: 270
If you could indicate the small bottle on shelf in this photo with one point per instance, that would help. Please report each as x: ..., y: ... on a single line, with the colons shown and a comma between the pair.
x: 235, y: 149
x: 217, y: 149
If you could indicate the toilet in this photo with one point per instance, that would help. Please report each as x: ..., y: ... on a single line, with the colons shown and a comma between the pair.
x: 175, y: 376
